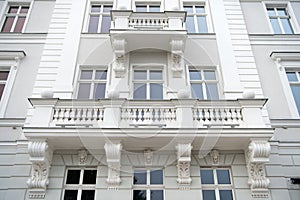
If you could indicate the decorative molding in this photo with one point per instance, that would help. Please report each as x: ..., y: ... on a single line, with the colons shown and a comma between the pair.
x: 177, y: 47
x: 148, y: 154
x: 82, y: 156
x: 256, y: 157
x: 214, y: 155
x: 183, y: 165
x: 119, y: 47
x: 119, y: 66
x: 113, y: 157
x: 41, y: 157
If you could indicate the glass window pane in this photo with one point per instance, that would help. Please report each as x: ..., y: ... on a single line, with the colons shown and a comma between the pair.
x: 195, y: 75
x: 20, y: 24
x: 4, y: 75
x: 190, y: 25
x: 99, y: 90
x: 271, y: 12
x: 188, y: 9
x: 140, y: 75
x: 223, y: 176
x: 84, y: 91
x: 1, y: 89
x: 89, y: 177
x: 106, y: 21
x: 73, y: 177
x: 13, y: 9
x: 156, y: 177
x: 86, y: 74
x: 209, y: 75
x: 139, y: 91
x: 207, y: 176
x: 208, y: 195
x: 154, y: 8
x: 139, y: 195
x: 88, y: 195
x: 141, y: 8
x: 296, y: 94
x: 93, y: 24
x: 225, y: 195
x: 107, y: 8
x: 157, y: 195
x: 155, y: 75
x: 156, y: 91
x: 96, y: 9
x: 292, y: 77
x: 70, y: 195
x: 8, y: 24
x: 101, y: 75
x: 202, y: 25
x: 200, y: 9
x: 197, y: 92
x: 212, y: 91
x: 140, y: 177
x: 275, y: 26
x: 287, y: 26
x: 281, y: 11
x: 24, y: 9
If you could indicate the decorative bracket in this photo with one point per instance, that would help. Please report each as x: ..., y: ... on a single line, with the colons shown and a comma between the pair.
x: 256, y: 157
x: 113, y: 156
x: 119, y: 66
x: 82, y: 155
x: 183, y: 164
x: 177, y: 47
x: 148, y: 154
x: 41, y: 157
x: 119, y: 54
x: 214, y: 155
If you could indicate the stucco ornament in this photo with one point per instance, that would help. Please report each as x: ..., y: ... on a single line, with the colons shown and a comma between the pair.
x: 41, y: 157
x: 82, y: 156
x: 183, y: 165
x: 214, y: 155
x: 256, y: 157
x: 119, y: 66
x: 148, y: 155
x: 177, y: 47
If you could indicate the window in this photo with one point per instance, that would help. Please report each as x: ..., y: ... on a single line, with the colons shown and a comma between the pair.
x: 204, y: 84
x: 147, y: 7
x: 15, y: 18
x: 216, y: 184
x: 3, y: 80
x: 80, y: 184
x: 148, y: 184
x: 99, y: 18
x: 280, y: 20
x: 92, y: 84
x: 294, y: 80
x: 196, y: 19
x: 148, y: 84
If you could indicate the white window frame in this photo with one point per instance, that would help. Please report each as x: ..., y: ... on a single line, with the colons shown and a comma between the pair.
x: 148, y: 67
x: 148, y: 187
x: 217, y: 187
x: 203, y: 81
x: 9, y: 61
x: 92, y: 81
x: 148, y: 4
x: 79, y: 187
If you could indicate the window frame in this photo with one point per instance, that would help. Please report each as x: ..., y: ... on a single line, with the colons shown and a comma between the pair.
x: 147, y: 4
x: 217, y: 187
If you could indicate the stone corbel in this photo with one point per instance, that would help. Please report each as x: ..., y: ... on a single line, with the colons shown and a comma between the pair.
x: 40, y: 156
x: 113, y: 157
x: 82, y: 156
x: 214, y: 155
x: 177, y: 63
x: 119, y: 57
x: 183, y: 164
x: 256, y: 157
x: 119, y: 66
x: 148, y: 155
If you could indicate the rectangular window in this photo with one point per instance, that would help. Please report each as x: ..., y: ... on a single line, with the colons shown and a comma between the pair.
x: 80, y: 184
x: 92, y: 84
x: 144, y: 7
x: 216, y: 184
x: 204, y: 84
x: 196, y: 19
x: 294, y: 80
x: 3, y: 80
x: 148, y: 84
x: 99, y: 18
x: 15, y: 18
x: 280, y: 20
x: 148, y: 184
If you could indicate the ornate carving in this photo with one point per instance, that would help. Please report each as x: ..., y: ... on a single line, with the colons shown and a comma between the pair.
x: 177, y: 47
x: 119, y: 47
x: 214, y: 154
x: 40, y: 156
x: 82, y: 156
x: 256, y: 157
x: 113, y: 157
x: 148, y: 154
x: 119, y: 66
x: 183, y: 164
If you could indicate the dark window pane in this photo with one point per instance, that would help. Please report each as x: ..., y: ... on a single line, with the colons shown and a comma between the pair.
x: 1, y: 89
x: 156, y: 91
x: 88, y: 195
x: 99, y: 90
x: 212, y: 91
x: 195, y: 75
x: 20, y: 24
x: 139, y: 91
x: 296, y: 94
x: 86, y: 74
x: 292, y: 77
x: 139, y: 195
x: 89, y: 177
x: 225, y: 195
x: 208, y: 195
x: 24, y: 9
x: 197, y: 92
x: 84, y: 91
x: 223, y: 176
x: 209, y: 75
x: 13, y: 9
x: 8, y: 24
x: 140, y: 177
x: 275, y: 25
x: 70, y: 195
x: 200, y: 9
x: 207, y: 176
x: 4, y: 75
x: 96, y: 9
x: 287, y: 26
x: 106, y: 20
x: 107, y: 8
x: 202, y: 25
x: 101, y: 75
x: 157, y: 195
x: 190, y: 24
x: 155, y: 75
x: 140, y: 75
x: 154, y: 8
x: 156, y: 177
x: 188, y: 9
x: 141, y: 8
x: 281, y: 11
x: 73, y: 177
x: 93, y: 24
x: 271, y: 12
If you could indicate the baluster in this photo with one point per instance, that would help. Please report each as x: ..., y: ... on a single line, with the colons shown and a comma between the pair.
x: 89, y: 116
x: 95, y: 114
x: 79, y: 114
x: 71, y: 115
x: 55, y: 114
x: 218, y: 115
x: 61, y: 114
x: 223, y: 115
x: 234, y: 114
x: 67, y: 115
x: 168, y: 114
x: 239, y: 114
x: 147, y: 115
x: 228, y: 115
x: 206, y: 114
x: 101, y: 114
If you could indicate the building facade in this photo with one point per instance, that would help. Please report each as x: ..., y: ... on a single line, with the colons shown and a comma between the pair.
x: 149, y: 100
